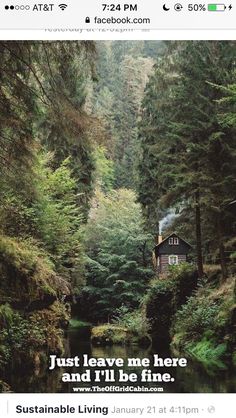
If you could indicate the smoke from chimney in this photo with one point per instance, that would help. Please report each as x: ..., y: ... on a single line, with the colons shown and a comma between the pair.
x: 167, y: 220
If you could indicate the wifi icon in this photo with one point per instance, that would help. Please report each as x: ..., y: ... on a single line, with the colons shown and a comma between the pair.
x: 62, y: 6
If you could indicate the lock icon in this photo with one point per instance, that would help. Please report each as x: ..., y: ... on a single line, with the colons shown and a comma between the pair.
x: 87, y: 20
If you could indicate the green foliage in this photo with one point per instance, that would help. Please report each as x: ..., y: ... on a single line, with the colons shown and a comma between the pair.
x: 46, y: 183
x: 17, y: 214
x: 203, y: 326
x: 64, y: 123
x: 53, y: 219
x: 134, y: 321
x: 181, y: 280
x: 20, y: 255
x: 123, y: 70
x: 110, y: 334
x: 104, y: 169
x: 16, y: 121
x: 117, y: 269
x: 15, y: 334
x: 207, y: 352
x: 27, y: 273
x: 47, y: 201
x: 6, y: 315
x: 24, y: 335
x: 58, y: 216
x: 127, y: 328
x: 165, y: 296
x: 195, y: 318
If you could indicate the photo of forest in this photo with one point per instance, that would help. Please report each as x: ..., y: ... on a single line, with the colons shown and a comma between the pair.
x: 118, y: 208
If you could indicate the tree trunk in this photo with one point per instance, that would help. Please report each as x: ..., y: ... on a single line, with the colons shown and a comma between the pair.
x: 198, y: 235
x: 222, y: 249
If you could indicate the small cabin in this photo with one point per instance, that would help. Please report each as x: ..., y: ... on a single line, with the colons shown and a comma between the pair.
x: 170, y: 251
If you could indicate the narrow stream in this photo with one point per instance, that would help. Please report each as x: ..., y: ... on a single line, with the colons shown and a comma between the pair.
x: 191, y: 379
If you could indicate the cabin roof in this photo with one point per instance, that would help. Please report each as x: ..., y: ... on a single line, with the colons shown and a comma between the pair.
x: 169, y: 236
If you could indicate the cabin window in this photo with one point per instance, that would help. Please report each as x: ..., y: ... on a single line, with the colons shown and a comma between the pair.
x: 174, y: 241
x: 173, y: 260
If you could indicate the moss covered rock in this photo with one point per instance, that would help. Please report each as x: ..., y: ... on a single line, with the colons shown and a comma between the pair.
x: 27, y: 276
x: 108, y: 334
x: 32, y: 311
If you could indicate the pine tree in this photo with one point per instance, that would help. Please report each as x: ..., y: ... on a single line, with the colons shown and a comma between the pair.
x: 65, y: 123
x: 182, y: 139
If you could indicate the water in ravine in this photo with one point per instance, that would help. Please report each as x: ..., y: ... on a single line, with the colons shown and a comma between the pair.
x: 192, y: 379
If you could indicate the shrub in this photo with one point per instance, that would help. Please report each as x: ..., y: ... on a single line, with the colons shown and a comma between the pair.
x: 134, y: 321
x: 195, y: 317
x: 208, y: 352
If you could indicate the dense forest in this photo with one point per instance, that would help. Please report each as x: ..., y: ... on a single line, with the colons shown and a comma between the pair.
x: 102, y: 147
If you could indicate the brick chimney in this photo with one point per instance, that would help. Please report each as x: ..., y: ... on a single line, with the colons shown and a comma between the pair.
x: 158, y: 239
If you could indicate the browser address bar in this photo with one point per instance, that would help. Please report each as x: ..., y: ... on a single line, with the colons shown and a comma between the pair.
x: 139, y: 14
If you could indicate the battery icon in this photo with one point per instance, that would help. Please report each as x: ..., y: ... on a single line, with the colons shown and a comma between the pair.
x: 216, y: 7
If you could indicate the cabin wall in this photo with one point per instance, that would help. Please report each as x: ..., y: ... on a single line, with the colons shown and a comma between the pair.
x: 164, y: 261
